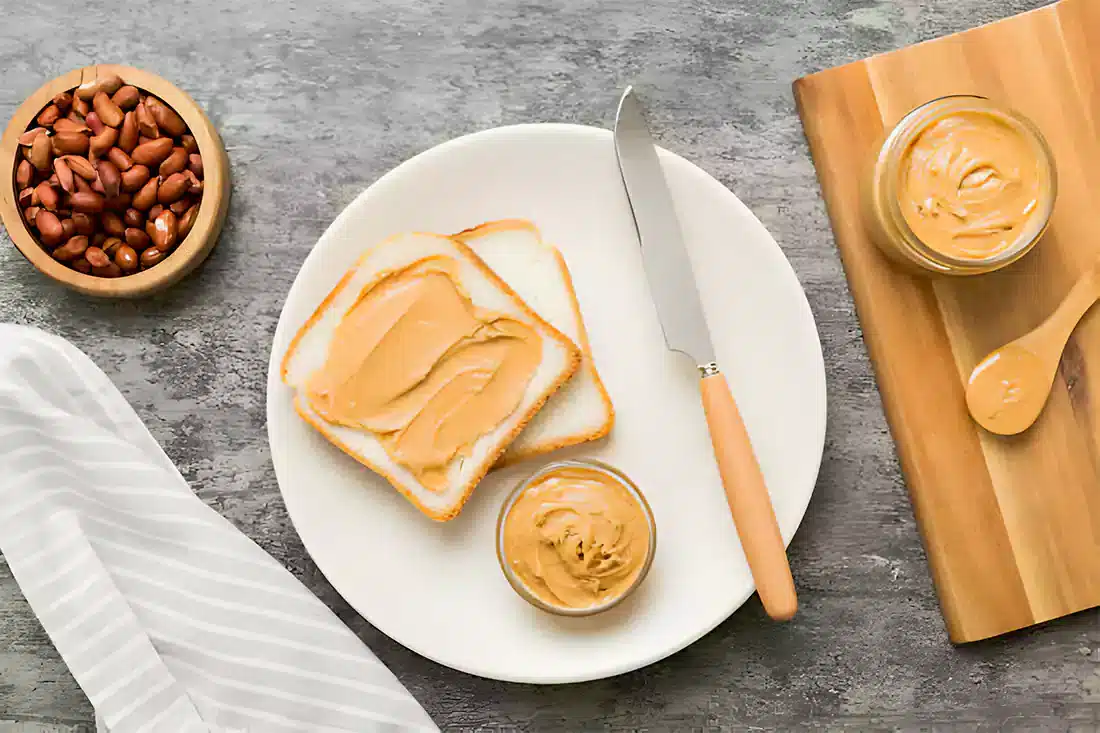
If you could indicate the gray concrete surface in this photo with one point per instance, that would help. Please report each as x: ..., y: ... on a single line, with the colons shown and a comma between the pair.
x: 315, y: 101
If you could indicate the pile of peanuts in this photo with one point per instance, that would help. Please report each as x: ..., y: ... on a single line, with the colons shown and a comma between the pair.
x: 109, y: 177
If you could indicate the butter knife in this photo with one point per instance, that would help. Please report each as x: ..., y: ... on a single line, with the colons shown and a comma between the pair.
x: 672, y: 286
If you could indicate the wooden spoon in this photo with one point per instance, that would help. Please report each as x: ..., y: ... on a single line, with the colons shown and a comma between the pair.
x: 1008, y: 389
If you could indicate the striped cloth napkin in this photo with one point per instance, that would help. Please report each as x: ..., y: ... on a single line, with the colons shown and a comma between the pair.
x: 168, y: 617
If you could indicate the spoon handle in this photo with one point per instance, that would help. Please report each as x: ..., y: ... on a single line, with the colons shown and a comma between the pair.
x: 1084, y: 293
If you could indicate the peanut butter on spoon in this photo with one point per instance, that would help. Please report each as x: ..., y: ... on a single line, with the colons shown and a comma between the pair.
x: 1008, y: 389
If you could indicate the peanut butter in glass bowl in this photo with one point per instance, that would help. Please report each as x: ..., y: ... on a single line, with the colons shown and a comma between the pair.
x: 960, y: 186
x: 576, y: 538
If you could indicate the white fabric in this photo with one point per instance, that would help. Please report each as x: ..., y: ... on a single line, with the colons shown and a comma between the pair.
x: 168, y: 617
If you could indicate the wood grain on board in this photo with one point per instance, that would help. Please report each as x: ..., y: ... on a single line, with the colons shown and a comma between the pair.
x: 1011, y: 525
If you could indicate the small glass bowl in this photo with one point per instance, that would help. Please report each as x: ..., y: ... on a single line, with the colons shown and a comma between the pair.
x: 517, y: 583
x: 883, y: 214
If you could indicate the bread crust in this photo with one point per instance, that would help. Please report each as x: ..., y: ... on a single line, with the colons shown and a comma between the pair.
x: 545, y: 328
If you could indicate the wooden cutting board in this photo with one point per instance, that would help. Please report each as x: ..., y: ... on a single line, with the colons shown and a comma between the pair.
x: 1011, y: 525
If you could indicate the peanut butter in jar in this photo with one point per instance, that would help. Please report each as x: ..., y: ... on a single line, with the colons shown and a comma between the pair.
x: 576, y: 538
x: 960, y: 186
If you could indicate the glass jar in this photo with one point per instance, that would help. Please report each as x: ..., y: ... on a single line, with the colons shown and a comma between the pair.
x: 530, y: 595
x: 891, y: 177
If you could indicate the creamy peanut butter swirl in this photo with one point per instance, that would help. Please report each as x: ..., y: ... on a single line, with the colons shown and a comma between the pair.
x: 970, y: 183
x: 417, y: 363
x: 576, y: 537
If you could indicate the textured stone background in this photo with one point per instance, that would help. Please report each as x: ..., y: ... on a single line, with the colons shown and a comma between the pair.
x: 315, y: 101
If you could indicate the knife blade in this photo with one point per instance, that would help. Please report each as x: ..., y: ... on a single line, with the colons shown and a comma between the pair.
x: 673, y: 288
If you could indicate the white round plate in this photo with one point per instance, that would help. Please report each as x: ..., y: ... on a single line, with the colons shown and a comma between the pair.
x: 437, y: 588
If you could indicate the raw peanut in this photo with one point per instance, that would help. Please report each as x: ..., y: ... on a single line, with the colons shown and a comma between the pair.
x: 31, y: 213
x: 126, y: 97
x: 149, y: 228
x: 147, y: 126
x: 39, y: 155
x: 195, y: 164
x: 67, y: 125
x: 104, y: 141
x: 28, y: 137
x: 24, y: 174
x: 99, y: 239
x: 109, y: 112
x: 81, y: 265
x: 153, y: 152
x: 94, y: 123
x: 174, y: 163
x: 81, y: 167
x: 47, y: 195
x: 142, y: 139
x: 151, y: 256
x: 96, y: 257
x: 194, y: 184
x: 87, y: 90
x: 137, y: 238
x: 109, y: 177
x: 147, y: 196
x: 87, y: 203
x: 172, y: 188
x: 128, y: 136
x: 110, y: 84
x: 68, y: 229
x: 72, y: 249
x: 118, y: 203
x: 64, y: 101
x: 126, y: 258
x: 189, y: 144
x: 111, y: 245
x: 64, y: 175
x: 28, y: 197
x: 97, y: 186
x: 155, y: 212
x: 49, y: 115
x: 179, y: 207
x: 81, y: 107
x: 165, y: 231
x: 82, y: 186
x: 70, y: 143
x: 112, y: 224
x: 135, y: 178
x: 49, y: 228
x: 165, y: 117
x: 187, y: 221
x: 110, y: 270
x: 83, y: 224
x: 119, y: 157
x: 133, y: 218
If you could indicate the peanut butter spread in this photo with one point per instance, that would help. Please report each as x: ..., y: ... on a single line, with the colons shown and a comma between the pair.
x: 415, y: 362
x: 970, y: 183
x: 1008, y: 389
x: 576, y: 537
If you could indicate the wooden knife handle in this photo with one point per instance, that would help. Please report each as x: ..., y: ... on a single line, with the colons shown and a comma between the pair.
x: 748, y: 499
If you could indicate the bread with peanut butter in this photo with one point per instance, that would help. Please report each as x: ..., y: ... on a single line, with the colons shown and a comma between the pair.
x: 581, y: 410
x: 423, y: 365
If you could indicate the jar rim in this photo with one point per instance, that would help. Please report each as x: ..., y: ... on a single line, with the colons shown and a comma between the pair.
x: 888, y: 161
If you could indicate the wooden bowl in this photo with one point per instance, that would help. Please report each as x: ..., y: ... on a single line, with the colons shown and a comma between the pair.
x: 212, y: 209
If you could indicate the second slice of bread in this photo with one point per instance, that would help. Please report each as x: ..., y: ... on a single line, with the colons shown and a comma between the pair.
x: 309, y: 350
x: 581, y: 411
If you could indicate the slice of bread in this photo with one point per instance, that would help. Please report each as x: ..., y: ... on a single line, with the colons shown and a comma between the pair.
x: 582, y: 409
x: 309, y: 350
